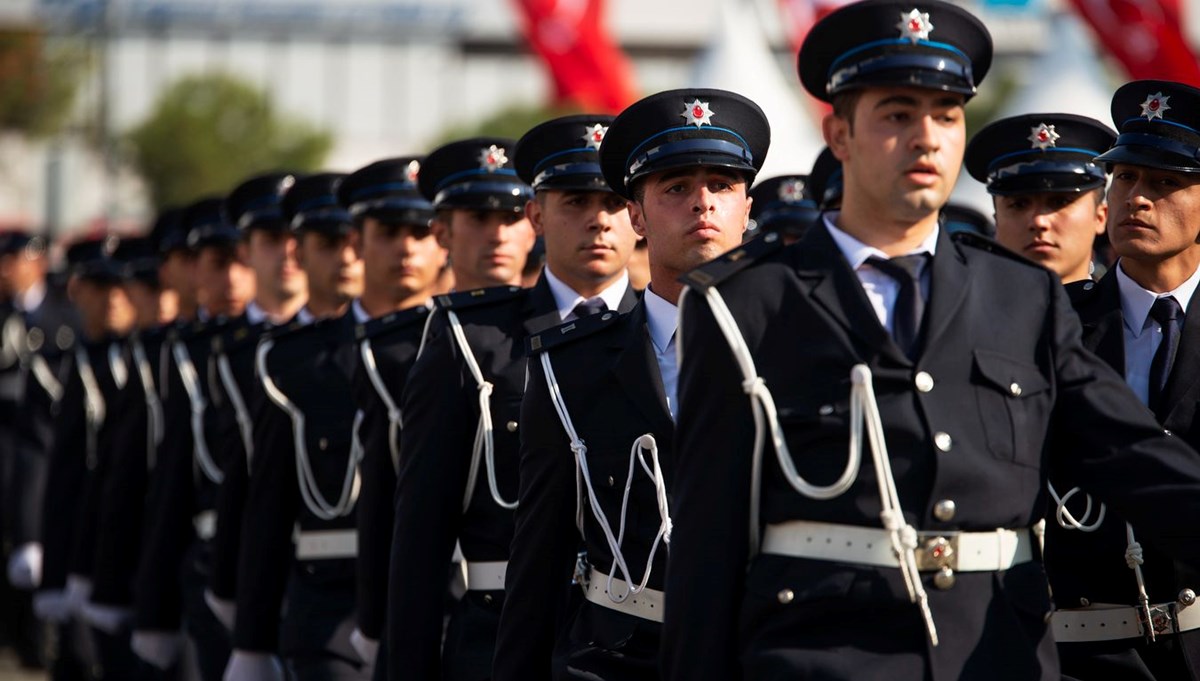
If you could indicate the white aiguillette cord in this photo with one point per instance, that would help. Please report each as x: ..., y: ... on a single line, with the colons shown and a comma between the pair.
x: 395, y: 418
x: 309, y: 491
x: 653, y: 470
x: 191, y: 384
x: 863, y: 410
x: 154, y: 410
x: 484, y: 441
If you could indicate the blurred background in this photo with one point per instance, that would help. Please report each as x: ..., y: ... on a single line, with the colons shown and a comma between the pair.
x: 111, y: 108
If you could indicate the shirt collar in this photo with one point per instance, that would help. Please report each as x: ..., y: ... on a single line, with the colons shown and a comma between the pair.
x: 565, y: 297
x: 31, y: 298
x: 857, y: 252
x: 661, y: 319
x: 254, y: 313
x: 360, y: 313
x: 305, y: 317
x: 1137, y: 301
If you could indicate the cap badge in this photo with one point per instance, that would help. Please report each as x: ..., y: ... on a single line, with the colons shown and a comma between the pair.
x: 412, y: 170
x: 1042, y: 137
x: 915, y: 26
x: 492, y: 158
x: 698, y: 114
x: 791, y: 191
x: 594, y: 135
x: 1155, y: 105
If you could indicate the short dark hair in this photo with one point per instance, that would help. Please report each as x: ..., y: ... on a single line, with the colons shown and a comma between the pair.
x: 844, y: 104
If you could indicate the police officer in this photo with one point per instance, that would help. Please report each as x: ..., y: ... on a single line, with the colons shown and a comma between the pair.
x: 877, y: 410
x: 269, y: 247
x: 304, y: 475
x: 1047, y: 192
x: 600, y: 396
x: 174, y: 566
x: 1139, y: 319
x: 81, y: 434
x: 784, y: 204
x: 402, y: 263
x: 462, y: 398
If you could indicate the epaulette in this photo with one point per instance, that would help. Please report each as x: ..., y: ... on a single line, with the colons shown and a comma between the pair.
x: 237, y: 334
x: 478, y: 297
x: 725, y: 266
x: 570, y: 331
x: 199, y: 331
x: 392, y: 320
x: 977, y: 240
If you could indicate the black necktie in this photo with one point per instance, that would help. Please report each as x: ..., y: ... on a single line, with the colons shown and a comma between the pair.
x: 910, y: 306
x: 1169, y: 315
x: 589, y: 307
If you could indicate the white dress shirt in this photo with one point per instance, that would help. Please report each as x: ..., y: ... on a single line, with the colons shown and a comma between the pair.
x: 31, y: 298
x: 662, y: 318
x: 1142, y: 333
x: 881, y: 288
x: 565, y: 297
x: 360, y: 313
x: 254, y: 313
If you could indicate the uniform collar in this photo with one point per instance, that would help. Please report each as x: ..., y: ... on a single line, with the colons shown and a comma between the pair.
x: 305, y: 317
x: 360, y: 313
x: 31, y: 298
x: 857, y: 252
x: 565, y: 297
x: 1137, y: 301
x: 661, y: 319
x: 254, y: 313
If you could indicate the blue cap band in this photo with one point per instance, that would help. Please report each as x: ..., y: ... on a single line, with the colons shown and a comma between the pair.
x: 696, y: 145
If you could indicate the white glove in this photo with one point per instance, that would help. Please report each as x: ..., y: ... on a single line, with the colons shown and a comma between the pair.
x: 245, y: 665
x: 225, y: 611
x: 79, y: 591
x: 159, y: 648
x: 25, y: 566
x: 52, y: 605
x: 367, y: 648
x: 107, y: 618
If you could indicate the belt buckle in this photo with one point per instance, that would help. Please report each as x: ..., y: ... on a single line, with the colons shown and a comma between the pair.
x: 1162, y: 621
x: 937, y: 553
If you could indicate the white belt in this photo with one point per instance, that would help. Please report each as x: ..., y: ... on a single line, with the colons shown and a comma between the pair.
x: 327, y: 544
x: 205, y: 523
x: 485, y: 576
x: 1104, y: 622
x: 962, y: 551
x: 647, y: 603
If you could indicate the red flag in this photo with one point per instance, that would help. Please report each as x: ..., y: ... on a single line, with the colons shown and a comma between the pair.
x: 1145, y: 36
x: 800, y: 15
x: 587, y: 66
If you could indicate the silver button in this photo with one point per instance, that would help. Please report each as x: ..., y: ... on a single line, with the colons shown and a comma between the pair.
x: 924, y: 381
x: 1083, y: 602
x: 944, y: 510
x: 1186, y: 597
x: 323, y: 444
x: 511, y: 426
x: 1089, y: 286
x: 942, y: 441
x: 944, y: 579
x: 825, y: 410
x: 35, y: 338
x: 611, y: 481
x: 487, y: 598
x: 1015, y: 389
x: 1167, y: 431
x: 786, y: 596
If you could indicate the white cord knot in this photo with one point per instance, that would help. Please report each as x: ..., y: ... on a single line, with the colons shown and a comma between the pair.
x: 860, y: 374
x: 578, y: 448
x: 908, y: 537
x: 752, y: 386
x: 1133, y: 555
x: 485, y: 389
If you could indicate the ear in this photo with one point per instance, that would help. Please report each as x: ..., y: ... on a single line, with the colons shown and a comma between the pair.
x: 637, y: 218
x: 533, y: 211
x: 749, y: 204
x: 836, y: 131
x: 441, y: 230
x: 1101, y: 217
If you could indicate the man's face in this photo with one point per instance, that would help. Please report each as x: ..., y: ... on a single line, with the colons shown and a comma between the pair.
x: 20, y: 271
x: 335, y: 272
x: 1153, y: 214
x: 224, y: 284
x: 1054, y: 229
x: 400, y: 259
x: 486, y: 247
x: 902, y: 153
x: 588, y: 233
x: 272, y: 256
x: 691, y: 215
x: 178, y: 273
x: 103, y: 306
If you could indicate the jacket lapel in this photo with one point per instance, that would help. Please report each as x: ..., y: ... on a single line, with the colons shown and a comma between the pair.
x: 541, y: 312
x: 949, y: 282
x: 1185, y: 373
x: 1103, y: 323
x: 637, y: 370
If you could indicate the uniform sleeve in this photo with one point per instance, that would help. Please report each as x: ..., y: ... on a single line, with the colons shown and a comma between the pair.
x: 1117, y: 450
x: 543, y: 549
x: 168, y: 526
x: 439, y: 431
x: 272, y: 502
x: 375, y: 512
x: 64, y: 474
x: 709, y: 541
x: 122, y: 504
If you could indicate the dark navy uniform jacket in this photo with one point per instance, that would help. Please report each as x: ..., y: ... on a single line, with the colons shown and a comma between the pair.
x: 311, y: 366
x: 393, y: 340
x: 441, y: 410
x: 610, y: 381
x: 1090, y: 567
x: 992, y: 320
